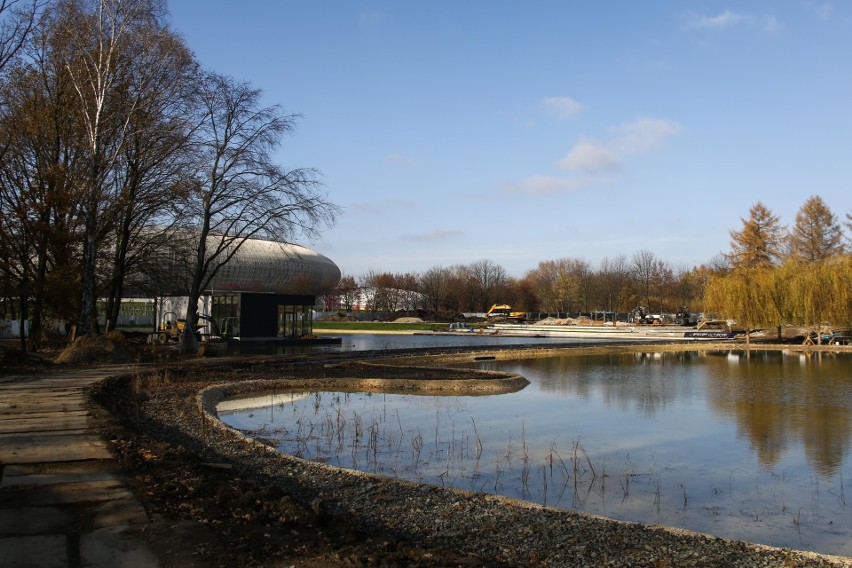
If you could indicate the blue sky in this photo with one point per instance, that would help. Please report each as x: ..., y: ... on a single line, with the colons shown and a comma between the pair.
x: 518, y: 132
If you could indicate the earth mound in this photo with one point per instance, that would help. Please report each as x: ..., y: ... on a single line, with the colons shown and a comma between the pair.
x: 110, y: 348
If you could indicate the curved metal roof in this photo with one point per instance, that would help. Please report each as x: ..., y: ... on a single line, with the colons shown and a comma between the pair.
x: 279, y: 268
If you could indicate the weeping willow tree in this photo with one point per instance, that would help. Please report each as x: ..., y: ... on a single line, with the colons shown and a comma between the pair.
x: 839, y: 282
x: 738, y: 295
x: 809, y: 294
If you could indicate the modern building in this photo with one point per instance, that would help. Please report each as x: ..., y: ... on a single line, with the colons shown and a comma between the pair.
x: 266, y: 291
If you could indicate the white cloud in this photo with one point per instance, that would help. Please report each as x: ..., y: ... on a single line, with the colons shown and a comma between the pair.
x: 590, y: 157
x: 594, y: 161
x: 729, y: 19
x: 562, y: 107
x: 546, y: 184
x: 436, y: 235
x: 643, y: 135
x: 726, y: 19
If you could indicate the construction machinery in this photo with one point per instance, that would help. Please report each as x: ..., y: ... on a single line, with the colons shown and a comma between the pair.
x: 173, y: 327
x: 504, y: 311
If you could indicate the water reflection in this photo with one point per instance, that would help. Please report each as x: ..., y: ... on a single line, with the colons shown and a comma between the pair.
x: 387, y: 342
x: 637, y: 381
x: 747, y: 447
x: 778, y: 399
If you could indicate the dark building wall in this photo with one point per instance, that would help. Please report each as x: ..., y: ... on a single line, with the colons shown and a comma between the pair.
x: 259, y: 312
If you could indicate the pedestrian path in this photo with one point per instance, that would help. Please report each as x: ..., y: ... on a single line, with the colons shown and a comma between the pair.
x: 63, y: 502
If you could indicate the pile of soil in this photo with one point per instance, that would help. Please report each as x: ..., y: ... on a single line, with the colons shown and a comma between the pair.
x: 340, y: 316
x: 110, y: 348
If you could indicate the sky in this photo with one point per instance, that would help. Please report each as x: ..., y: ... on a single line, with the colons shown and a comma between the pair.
x: 450, y: 132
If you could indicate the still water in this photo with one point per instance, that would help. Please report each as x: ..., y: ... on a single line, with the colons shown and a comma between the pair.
x: 754, y: 448
x: 371, y: 341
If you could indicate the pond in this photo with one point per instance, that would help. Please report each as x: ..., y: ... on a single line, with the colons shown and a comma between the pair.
x: 390, y: 341
x: 745, y: 447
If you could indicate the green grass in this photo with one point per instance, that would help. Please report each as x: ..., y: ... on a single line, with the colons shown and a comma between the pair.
x: 380, y: 326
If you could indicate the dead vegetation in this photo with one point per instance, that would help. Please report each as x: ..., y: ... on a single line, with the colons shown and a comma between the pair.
x: 110, y: 348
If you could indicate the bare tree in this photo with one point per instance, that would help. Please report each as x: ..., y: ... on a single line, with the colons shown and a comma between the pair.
x: 239, y: 192
x: 613, y: 274
x: 642, y: 270
x: 149, y: 172
x: 461, y: 295
x: 17, y: 21
x: 39, y: 172
x: 409, y: 286
x: 541, y: 279
x: 23, y: 263
x: 489, y: 282
x: 570, y: 282
x: 382, y: 291
x: 435, y: 286
x: 108, y: 53
x: 346, y: 292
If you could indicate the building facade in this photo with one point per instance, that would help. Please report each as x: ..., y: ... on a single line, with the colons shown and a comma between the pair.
x: 266, y: 291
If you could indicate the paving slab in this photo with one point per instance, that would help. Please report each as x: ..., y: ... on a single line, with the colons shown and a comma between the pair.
x: 115, y: 547
x: 58, y: 477
x: 54, y: 380
x: 31, y: 396
x: 33, y: 521
x: 44, y: 551
x: 65, y: 494
x: 43, y: 388
x: 36, y: 448
x: 128, y: 512
x: 29, y: 476
x: 18, y: 405
x: 43, y: 422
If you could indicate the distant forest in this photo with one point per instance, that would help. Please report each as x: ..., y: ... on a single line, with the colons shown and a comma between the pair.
x: 773, y: 275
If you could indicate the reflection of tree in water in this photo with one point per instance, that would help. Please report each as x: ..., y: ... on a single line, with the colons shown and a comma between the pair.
x: 644, y: 381
x: 778, y: 398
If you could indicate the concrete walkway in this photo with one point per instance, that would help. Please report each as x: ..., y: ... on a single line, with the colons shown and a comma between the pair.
x: 62, y: 499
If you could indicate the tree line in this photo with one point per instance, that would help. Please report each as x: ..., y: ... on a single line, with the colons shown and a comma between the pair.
x: 570, y: 285
x: 771, y: 276
x: 775, y: 276
x: 125, y: 165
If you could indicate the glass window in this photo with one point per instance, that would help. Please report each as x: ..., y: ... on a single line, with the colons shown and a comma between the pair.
x: 294, y: 321
x: 225, y: 310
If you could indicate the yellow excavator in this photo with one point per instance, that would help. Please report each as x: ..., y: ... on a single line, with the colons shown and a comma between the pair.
x: 172, y: 328
x: 505, y: 311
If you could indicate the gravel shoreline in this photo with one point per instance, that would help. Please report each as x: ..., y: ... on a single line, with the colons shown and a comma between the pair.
x: 503, y: 531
